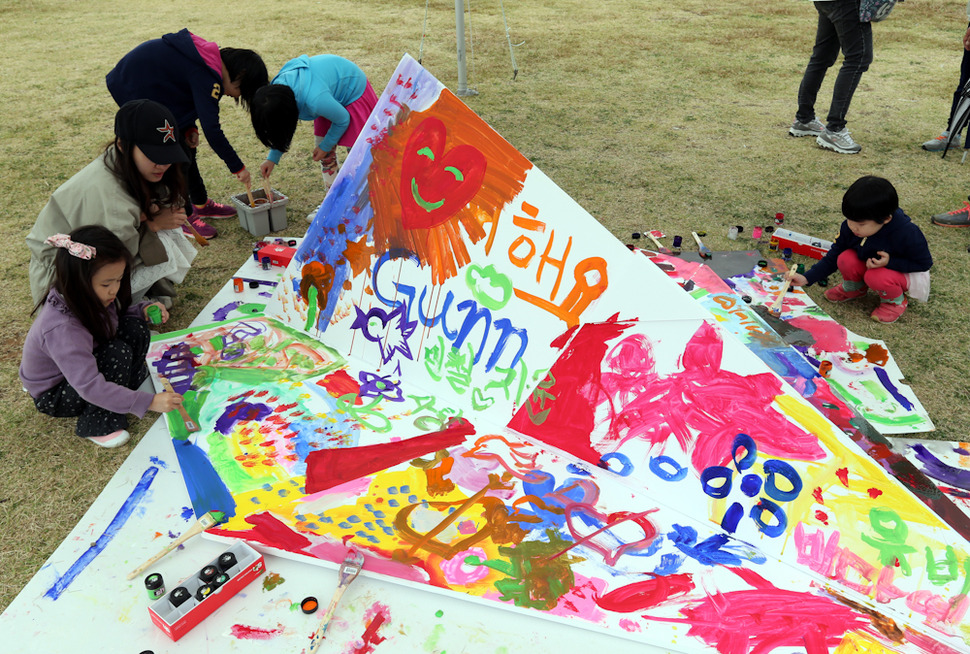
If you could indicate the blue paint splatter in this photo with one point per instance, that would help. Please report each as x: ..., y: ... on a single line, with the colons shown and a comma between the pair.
x: 141, y: 488
x: 158, y: 462
x: 187, y: 513
x: 884, y: 380
x: 206, y: 489
x: 936, y: 469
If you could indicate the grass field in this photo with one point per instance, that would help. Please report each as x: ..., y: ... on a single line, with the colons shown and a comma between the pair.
x: 652, y: 115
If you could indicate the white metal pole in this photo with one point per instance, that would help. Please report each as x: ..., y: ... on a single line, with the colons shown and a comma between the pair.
x: 460, y: 38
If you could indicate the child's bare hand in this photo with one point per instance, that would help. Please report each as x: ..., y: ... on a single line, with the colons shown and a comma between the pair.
x: 266, y: 168
x: 169, y: 218
x: 244, y: 177
x: 163, y: 402
x: 798, y: 280
x: 161, y: 308
x: 878, y: 261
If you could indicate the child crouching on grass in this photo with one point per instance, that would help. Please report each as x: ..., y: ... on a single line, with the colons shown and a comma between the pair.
x: 84, y: 355
x: 878, y: 248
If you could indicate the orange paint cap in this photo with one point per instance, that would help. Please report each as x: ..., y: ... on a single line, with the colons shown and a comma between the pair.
x: 309, y: 605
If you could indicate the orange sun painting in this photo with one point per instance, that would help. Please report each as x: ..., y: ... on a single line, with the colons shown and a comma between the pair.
x: 428, y: 182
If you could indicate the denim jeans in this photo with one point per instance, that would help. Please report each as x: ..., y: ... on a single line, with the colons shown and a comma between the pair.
x: 839, y: 29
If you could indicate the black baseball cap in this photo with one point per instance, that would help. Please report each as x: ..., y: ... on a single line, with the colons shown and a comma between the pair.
x: 152, y: 127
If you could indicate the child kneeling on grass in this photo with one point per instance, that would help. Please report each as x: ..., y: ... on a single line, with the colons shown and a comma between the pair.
x: 878, y: 247
x: 84, y: 355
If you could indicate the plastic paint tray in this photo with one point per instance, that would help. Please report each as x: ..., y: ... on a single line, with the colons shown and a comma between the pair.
x: 264, y: 217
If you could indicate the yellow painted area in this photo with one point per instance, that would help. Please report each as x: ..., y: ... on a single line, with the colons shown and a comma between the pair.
x: 857, y: 643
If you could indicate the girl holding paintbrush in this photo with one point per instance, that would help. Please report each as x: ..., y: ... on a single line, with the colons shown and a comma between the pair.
x: 84, y: 355
x: 878, y: 248
x: 135, y: 191
x: 331, y: 91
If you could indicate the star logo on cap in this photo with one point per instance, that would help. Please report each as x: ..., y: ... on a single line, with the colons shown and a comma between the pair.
x: 167, y: 130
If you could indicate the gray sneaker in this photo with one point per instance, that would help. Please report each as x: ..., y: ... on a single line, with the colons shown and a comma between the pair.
x: 814, y: 127
x: 937, y: 144
x: 956, y: 218
x: 839, y: 141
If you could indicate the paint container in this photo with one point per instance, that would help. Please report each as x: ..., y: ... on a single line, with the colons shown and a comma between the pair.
x: 702, y: 234
x: 208, y: 573
x: 677, y: 241
x: 266, y: 263
x: 769, y: 230
x: 756, y: 233
x: 291, y: 242
x: 740, y: 229
x: 204, y: 591
x: 309, y: 605
x: 279, y: 241
x: 225, y: 561
x: 154, y: 314
x: 155, y: 586
x: 786, y: 254
x: 237, y: 284
x: 779, y: 218
x: 179, y: 596
x: 220, y: 579
x: 733, y: 233
x: 823, y: 282
x: 746, y: 299
x: 800, y: 269
x: 636, y: 236
x: 762, y: 263
x: 253, y: 284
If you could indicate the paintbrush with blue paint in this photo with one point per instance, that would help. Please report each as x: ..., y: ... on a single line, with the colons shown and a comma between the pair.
x: 210, y: 519
x: 349, y: 570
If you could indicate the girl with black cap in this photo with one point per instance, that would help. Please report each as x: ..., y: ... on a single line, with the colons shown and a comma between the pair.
x: 132, y: 189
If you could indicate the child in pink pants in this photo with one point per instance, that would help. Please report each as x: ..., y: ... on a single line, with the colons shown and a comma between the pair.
x: 878, y: 248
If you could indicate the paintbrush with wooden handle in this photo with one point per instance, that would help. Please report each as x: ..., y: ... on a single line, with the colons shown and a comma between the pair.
x: 268, y: 190
x: 775, y: 308
x: 702, y: 249
x: 210, y: 519
x: 249, y: 194
x: 660, y: 248
x: 190, y: 425
x: 349, y: 570
x: 199, y: 238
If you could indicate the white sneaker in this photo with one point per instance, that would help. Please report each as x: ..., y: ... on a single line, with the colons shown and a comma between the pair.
x: 313, y: 214
x: 839, y: 141
x: 114, y: 439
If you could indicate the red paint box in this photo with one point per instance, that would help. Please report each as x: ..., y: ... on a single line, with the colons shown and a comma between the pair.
x: 178, y: 621
x: 279, y: 255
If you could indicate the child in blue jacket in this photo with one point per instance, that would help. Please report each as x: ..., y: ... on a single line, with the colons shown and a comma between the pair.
x: 878, y: 248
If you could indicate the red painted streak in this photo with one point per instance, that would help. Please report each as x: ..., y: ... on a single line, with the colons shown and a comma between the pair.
x: 645, y: 594
x: 874, y: 493
x: 245, y: 632
x: 843, y: 475
x: 766, y: 620
x: 829, y: 335
x: 329, y: 468
x: 370, y: 636
x: 268, y: 530
x: 817, y: 494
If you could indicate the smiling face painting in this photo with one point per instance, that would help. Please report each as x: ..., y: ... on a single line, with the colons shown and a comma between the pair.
x: 433, y: 177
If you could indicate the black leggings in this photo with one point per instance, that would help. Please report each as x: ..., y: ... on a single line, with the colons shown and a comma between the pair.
x: 121, y: 361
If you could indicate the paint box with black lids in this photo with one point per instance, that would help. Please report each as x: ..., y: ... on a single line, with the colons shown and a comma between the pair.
x: 176, y: 621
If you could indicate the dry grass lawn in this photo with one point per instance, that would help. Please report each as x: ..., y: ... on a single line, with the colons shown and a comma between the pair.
x: 666, y: 115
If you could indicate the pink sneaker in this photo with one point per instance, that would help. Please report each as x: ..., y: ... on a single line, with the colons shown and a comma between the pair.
x: 839, y: 294
x: 212, y: 209
x: 203, y: 228
x: 888, y: 312
x: 114, y: 439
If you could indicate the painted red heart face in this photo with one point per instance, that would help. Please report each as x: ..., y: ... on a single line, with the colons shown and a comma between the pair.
x: 437, y: 182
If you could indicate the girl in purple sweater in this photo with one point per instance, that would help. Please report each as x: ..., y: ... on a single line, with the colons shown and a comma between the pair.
x: 84, y: 355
